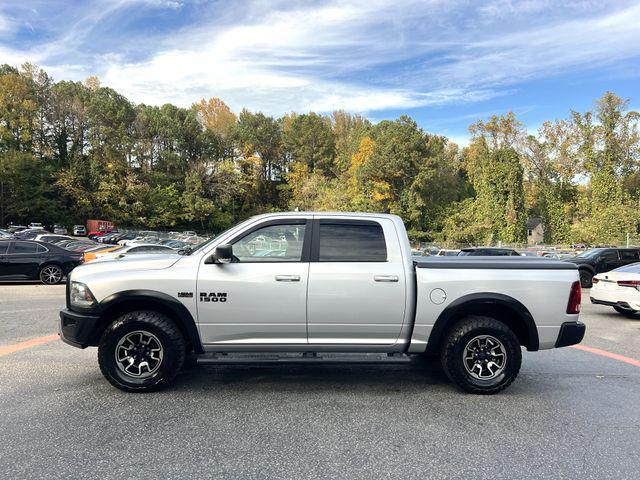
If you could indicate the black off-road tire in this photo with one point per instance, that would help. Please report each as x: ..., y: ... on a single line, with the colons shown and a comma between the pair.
x: 452, y: 353
x: 627, y: 312
x: 166, y: 332
x: 586, y: 279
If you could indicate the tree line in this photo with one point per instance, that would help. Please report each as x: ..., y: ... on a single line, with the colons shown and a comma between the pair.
x: 76, y: 150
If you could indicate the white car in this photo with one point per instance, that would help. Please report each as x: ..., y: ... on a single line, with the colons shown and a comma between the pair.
x: 36, y: 226
x: 134, y: 249
x: 51, y: 237
x: 619, y: 288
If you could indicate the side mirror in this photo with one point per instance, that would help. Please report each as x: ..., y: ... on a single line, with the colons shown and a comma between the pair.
x: 222, y: 254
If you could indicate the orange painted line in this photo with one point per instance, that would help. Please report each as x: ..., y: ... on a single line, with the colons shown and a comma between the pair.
x: 604, y: 353
x: 34, y: 342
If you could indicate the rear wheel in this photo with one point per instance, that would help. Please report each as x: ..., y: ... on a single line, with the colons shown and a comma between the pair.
x: 627, y: 312
x: 51, y: 274
x: 586, y: 279
x: 481, y: 355
x: 141, y: 351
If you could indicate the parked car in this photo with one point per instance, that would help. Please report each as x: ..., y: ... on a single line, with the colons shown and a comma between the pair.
x: 488, y: 252
x: 59, y: 229
x: 337, y: 283
x: 36, y: 226
x: 50, y: 238
x: 92, y: 254
x: 619, y: 288
x: 600, y: 260
x: 29, y: 233
x: 79, y: 230
x: 133, y: 250
x: 11, y: 228
x: 31, y: 260
x: 5, y: 234
x: 443, y: 252
x: 175, y: 244
x: 79, y: 245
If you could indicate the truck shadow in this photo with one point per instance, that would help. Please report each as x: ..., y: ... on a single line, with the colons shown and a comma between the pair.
x: 305, y: 377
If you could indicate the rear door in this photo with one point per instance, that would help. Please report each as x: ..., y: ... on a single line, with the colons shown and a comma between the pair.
x: 24, y: 259
x: 357, y: 289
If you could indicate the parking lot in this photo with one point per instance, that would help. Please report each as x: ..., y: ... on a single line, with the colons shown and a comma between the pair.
x: 571, y: 413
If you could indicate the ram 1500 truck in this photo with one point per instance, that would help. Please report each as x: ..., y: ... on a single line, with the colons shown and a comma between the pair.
x: 319, y: 282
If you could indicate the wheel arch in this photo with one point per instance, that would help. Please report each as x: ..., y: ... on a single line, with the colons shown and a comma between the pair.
x: 131, y: 300
x: 502, y: 307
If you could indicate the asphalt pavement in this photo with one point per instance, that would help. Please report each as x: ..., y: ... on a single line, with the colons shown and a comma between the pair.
x: 571, y: 413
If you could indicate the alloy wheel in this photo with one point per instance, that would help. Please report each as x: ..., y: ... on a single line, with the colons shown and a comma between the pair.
x: 139, y: 354
x: 484, y: 357
x: 51, y: 274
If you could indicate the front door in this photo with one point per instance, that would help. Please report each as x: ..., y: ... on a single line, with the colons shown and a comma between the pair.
x: 260, y: 297
x: 357, y: 283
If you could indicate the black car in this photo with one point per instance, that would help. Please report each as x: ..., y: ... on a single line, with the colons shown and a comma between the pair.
x: 489, y: 252
x: 600, y: 260
x: 31, y: 260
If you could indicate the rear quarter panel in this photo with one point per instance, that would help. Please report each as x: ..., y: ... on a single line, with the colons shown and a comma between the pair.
x: 545, y: 293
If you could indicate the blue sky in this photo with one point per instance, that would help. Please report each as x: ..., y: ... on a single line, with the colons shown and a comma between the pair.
x: 444, y: 62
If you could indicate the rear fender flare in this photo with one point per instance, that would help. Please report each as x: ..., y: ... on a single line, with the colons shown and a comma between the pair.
x: 485, y: 303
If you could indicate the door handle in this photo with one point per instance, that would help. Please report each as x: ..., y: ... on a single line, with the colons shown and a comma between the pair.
x: 287, y: 278
x: 385, y: 278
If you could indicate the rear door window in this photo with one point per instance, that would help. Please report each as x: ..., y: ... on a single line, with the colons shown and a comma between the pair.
x: 4, y: 247
x: 629, y: 255
x: 25, y: 248
x: 351, y: 242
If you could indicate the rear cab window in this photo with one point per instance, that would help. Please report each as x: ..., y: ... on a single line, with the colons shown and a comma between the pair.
x: 351, y: 241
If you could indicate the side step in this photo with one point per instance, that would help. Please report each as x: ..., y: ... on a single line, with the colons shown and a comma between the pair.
x: 301, y: 358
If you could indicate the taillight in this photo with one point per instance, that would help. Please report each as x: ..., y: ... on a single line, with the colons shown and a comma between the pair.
x: 629, y: 283
x: 575, y: 297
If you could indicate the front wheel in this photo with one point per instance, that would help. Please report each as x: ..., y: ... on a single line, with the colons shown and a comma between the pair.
x: 627, y: 312
x: 481, y: 355
x: 141, y: 351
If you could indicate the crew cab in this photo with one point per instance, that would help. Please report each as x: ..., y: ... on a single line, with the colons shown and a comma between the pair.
x: 319, y: 282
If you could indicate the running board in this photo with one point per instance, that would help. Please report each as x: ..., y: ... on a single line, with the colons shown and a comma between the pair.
x: 301, y: 358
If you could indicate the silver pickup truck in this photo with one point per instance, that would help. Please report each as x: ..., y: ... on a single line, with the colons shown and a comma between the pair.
x: 319, y: 282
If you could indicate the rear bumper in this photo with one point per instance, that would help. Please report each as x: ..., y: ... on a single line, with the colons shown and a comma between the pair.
x: 77, y: 328
x: 571, y: 333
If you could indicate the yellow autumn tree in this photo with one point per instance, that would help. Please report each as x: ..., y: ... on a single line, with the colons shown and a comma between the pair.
x: 216, y: 116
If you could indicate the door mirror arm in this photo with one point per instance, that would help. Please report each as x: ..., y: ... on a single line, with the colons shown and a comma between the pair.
x: 222, y: 254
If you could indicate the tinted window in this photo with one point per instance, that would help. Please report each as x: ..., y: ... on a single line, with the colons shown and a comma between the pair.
x: 25, y: 247
x: 42, y: 249
x: 608, y: 255
x: 4, y: 246
x: 273, y: 243
x: 628, y: 255
x: 352, y: 243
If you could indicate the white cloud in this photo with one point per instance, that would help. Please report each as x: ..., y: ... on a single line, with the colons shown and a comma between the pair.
x: 361, y: 55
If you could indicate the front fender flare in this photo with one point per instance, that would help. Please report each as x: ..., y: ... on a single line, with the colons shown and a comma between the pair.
x: 165, y: 302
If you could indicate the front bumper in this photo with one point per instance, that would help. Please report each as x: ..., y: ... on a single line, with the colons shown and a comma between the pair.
x: 78, y: 329
x: 571, y: 333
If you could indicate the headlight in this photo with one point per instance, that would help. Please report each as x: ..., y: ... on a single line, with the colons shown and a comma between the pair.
x: 80, y: 295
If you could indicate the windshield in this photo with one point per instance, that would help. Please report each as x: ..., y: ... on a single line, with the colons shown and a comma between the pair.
x: 590, y: 253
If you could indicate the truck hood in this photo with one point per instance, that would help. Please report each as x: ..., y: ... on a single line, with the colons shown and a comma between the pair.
x: 140, y: 261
